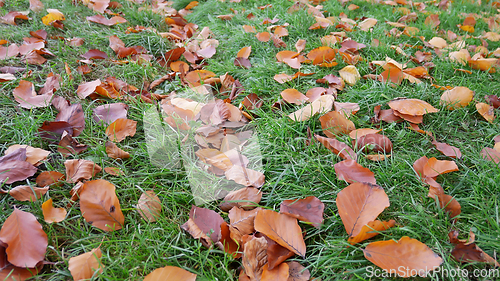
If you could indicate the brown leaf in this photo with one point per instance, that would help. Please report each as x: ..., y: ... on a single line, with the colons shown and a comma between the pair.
x: 359, y: 204
x: 457, y: 97
x: 115, y: 152
x: 244, y: 52
x: 293, y: 96
x: 95, y: 54
x: 412, y: 255
x: 351, y: 171
x: 84, y: 266
x: 263, y: 36
x: 281, y: 228
x: 486, y: 111
x: 321, y: 55
x: 116, y: 43
x: 490, y: 154
x: 207, y: 221
x: 13, y: 167
x: 34, y: 155
x: 88, y: 88
x: 309, y: 209
x: 28, y: 193
x: 246, y: 198
x: 149, y: 206
x: 69, y: 146
x: 227, y: 243
x: 47, y: 178
x: 100, y: 206
x: 10, y: 272
x: 358, y: 133
x: 339, y: 148
x: 413, y: 107
x: 26, y: 241
x: 297, y: 272
x: 467, y: 251
x: 323, y: 104
x: 51, y: 214
x: 73, y: 114
x: 179, y: 67
x: 79, y: 169
x: 370, y: 230
x: 245, y: 176
x: 120, y: 129
x: 350, y: 74
x: 435, y: 167
x: 191, y: 227
x: 109, y: 113
x: 26, y: 96
x: 373, y: 142
x: 36, y: 6
x: 335, y: 123
x: 254, y: 257
x: 279, y: 273
x: 447, y: 149
x: 241, y: 222
x: 171, y: 273
x: 105, y: 21
x: 10, y: 17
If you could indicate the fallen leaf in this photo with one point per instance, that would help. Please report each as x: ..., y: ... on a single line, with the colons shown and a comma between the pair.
x: 26, y: 96
x: 297, y: 272
x: 84, y: 266
x: 115, y: 152
x: 263, y: 36
x: 100, y: 206
x: 105, y: 21
x: 457, y: 97
x: 28, y: 193
x: 413, y: 107
x: 34, y: 155
x: 79, y: 169
x: 149, y: 206
x: 52, y: 16
x: 490, y: 154
x: 241, y: 223
x: 47, y: 178
x: 246, y: 198
x: 339, y: 148
x: 412, y: 255
x: 309, y: 209
x: 95, y: 54
x: 350, y: 74
x: 335, y: 123
x: 208, y: 221
x: 359, y: 204
x: 323, y: 104
x: 51, y: 214
x: 10, y: 17
x: 283, y: 229
x: 447, y: 149
x: 69, y: 146
x: 351, y: 171
x: 373, y: 142
x: 467, y: 251
x: 435, y: 167
x: 370, y: 230
x: 171, y: 273
x: 293, y: 96
x: 486, y: 111
x: 13, y: 167
x: 368, y: 23
x: 438, y: 42
x: 254, y: 257
x: 26, y: 241
x: 245, y: 176
x: 279, y: 273
x: 85, y: 89
x: 120, y: 129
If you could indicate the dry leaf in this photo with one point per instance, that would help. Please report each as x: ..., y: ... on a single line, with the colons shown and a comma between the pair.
x: 79, y: 169
x: 171, y: 273
x: 335, y: 123
x: 33, y: 155
x: 457, y: 97
x: 149, y: 206
x: 84, y: 266
x: 279, y: 273
x: 486, y: 111
x: 323, y: 104
x: 283, y: 229
x: 351, y: 171
x: 244, y: 176
x: 359, y: 204
x: 350, y: 74
x: 51, y: 214
x: 26, y: 241
x: 100, y: 206
x: 339, y: 148
x: 293, y: 96
x: 309, y: 209
x: 246, y: 198
x: 115, y: 152
x: 370, y: 230
x: 254, y: 257
x: 120, y: 129
x: 28, y: 193
x: 412, y: 255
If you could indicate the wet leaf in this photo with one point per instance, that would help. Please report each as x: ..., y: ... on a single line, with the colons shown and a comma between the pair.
x: 359, y: 204
x: 412, y: 255
x: 51, y: 214
x: 26, y: 241
x: 283, y: 229
x: 100, y: 206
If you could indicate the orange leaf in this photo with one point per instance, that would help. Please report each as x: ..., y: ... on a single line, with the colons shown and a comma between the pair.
x: 254, y: 257
x: 149, y: 206
x: 447, y: 149
x: 79, y: 169
x: 279, y: 273
x: 281, y: 228
x: 48, y: 178
x: 435, y: 167
x: 84, y: 266
x: 351, y: 171
x: 241, y: 222
x: 249, y: 28
x: 298, y: 272
x: 115, y: 152
x: 309, y: 209
x: 26, y: 96
x: 171, y: 273
x: 412, y: 255
x: 26, y: 241
x: 263, y: 36
x: 34, y: 155
x: 413, y: 107
x: 36, y: 6
x: 245, y: 176
x: 28, y: 193
x: 51, y: 214
x: 179, y: 66
x: 335, y: 123
x: 373, y: 142
x: 120, y: 129
x: 100, y: 206
x: 370, y: 230
x: 339, y: 148
x: 246, y: 198
x: 244, y: 52
x: 457, y: 97
x: 359, y: 204
x: 486, y: 111
x: 322, y: 54
x: 88, y: 88
x: 293, y: 96
x: 10, y: 17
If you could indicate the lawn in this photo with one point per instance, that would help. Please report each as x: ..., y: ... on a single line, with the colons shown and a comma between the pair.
x: 295, y: 166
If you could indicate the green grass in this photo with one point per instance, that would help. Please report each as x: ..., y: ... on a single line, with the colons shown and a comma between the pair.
x: 292, y: 169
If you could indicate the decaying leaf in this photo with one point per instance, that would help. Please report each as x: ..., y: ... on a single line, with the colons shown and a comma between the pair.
x: 100, y: 206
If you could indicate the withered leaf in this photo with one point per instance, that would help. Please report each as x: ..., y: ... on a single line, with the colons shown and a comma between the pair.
x: 84, y: 266
x: 351, y: 171
x: 78, y: 169
x: 254, y: 257
x: 246, y: 198
x: 115, y: 152
x: 149, y: 206
x: 309, y: 209
x: 100, y: 206
x: 207, y: 221
x: 28, y: 193
x: 120, y: 129
x: 51, y: 214
x: 171, y: 273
